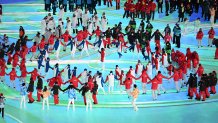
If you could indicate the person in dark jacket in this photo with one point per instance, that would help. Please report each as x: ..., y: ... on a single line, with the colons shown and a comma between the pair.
x: 39, y: 88
x: 167, y: 7
x: 71, y: 5
x: 177, y: 35
x: 132, y: 40
x: 30, y: 90
x: 192, y: 82
x: 93, y: 8
x: 206, y: 10
x: 202, y: 87
x: 167, y: 29
x: 69, y: 87
x: 94, y: 92
x: 54, y: 6
x: 181, y: 12
x: 55, y: 90
x: 1, y: 13
x: 160, y: 6
x: 213, y: 83
x: 157, y: 36
x: 84, y: 89
x: 17, y: 45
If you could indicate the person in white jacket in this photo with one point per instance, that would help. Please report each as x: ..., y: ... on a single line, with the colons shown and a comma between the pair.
x: 85, y: 19
x: 61, y: 13
x: 61, y: 23
x: 74, y: 23
x: 69, y: 27
x: 96, y: 22
x: 110, y: 79
x: 89, y: 100
x: 79, y: 15
x: 139, y: 68
x: 100, y: 81
x: 43, y: 25
x: 51, y: 25
x: 149, y: 69
x: 104, y: 23
x: 83, y: 76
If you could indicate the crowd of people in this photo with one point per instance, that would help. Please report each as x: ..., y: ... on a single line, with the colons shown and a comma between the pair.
x: 183, y: 69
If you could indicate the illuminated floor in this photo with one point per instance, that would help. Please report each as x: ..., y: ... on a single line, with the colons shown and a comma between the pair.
x: 116, y: 107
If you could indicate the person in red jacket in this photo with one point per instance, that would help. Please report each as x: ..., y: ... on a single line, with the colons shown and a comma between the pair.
x: 200, y: 71
x: 160, y: 77
x: 66, y: 36
x: 126, y: 9
x: 148, y: 12
x: 51, y: 82
x: 97, y: 32
x: 42, y: 43
x: 13, y: 76
x: 138, y: 8
x: 144, y: 79
x: 102, y: 52
x: 24, y: 52
x: 153, y: 5
x: 51, y: 42
x: 132, y: 9
x: 34, y: 74
x: 3, y: 66
x: 23, y: 73
x: 154, y: 85
x: 199, y: 37
x: 175, y: 77
x: 194, y: 65
x: 15, y: 60
x: 128, y: 84
x: 33, y: 49
x: 86, y: 34
x: 74, y: 80
x: 211, y: 34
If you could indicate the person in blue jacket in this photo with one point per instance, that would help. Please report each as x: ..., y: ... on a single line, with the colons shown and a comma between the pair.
x: 48, y: 5
x: 71, y: 97
x: 23, y: 93
x: 79, y: 3
x: 71, y: 5
x: 89, y: 5
x: 65, y: 5
x: 56, y: 70
x: 47, y: 65
x: 74, y: 71
x: 39, y: 61
x: 177, y: 34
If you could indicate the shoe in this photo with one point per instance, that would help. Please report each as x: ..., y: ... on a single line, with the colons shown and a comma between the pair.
x: 177, y: 92
x: 38, y: 100
x: 165, y: 92
x: 158, y: 94
x: 202, y: 100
